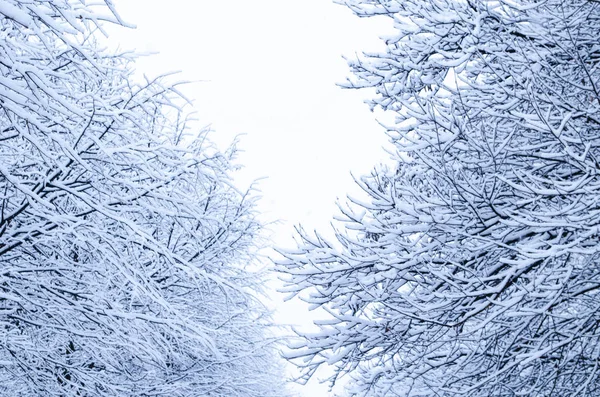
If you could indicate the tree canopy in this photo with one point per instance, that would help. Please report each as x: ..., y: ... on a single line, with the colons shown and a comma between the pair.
x: 123, y: 243
x: 472, y: 267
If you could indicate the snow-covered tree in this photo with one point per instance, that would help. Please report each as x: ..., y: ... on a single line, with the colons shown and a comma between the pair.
x: 473, y: 268
x: 124, y: 247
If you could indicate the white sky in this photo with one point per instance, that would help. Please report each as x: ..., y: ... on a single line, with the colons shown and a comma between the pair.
x: 268, y: 70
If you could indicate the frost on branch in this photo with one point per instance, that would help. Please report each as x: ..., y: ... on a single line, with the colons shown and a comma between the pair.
x: 123, y: 244
x: 473, y: 267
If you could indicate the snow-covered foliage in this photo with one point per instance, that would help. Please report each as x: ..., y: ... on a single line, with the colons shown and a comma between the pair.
x: 123, y: 244
x: 473, y: 268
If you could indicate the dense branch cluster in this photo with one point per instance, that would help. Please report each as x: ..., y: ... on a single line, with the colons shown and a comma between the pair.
x: 473, y: 266
x: 123, y: 244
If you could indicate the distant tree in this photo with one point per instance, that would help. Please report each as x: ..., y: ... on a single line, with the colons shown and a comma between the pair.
x: 124, y: 247
x: 473, y: 268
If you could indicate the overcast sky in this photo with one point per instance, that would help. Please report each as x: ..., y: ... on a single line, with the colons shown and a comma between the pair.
x: 267, y: 69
